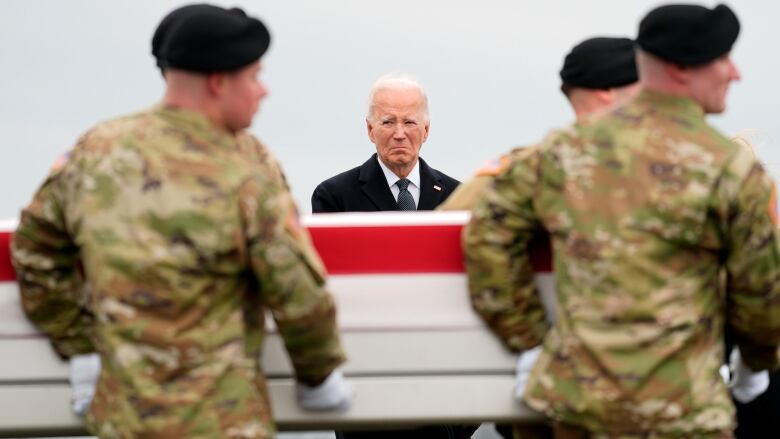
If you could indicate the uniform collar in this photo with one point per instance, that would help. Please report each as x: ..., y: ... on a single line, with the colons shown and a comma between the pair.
x: 196, y: 123
x: 669, y: 103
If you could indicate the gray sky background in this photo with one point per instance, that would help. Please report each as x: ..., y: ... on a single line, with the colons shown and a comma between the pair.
x: 490, y: 69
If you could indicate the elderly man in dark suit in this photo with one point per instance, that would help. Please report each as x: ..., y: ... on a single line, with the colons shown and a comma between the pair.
x: 395, y: 178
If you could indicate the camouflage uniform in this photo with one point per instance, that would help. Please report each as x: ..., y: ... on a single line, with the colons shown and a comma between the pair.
x: 465, y: 196
x: 645, y: 208
x: 185, y: 235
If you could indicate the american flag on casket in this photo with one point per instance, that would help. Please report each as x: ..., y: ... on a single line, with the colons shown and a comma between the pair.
x: 418, y: 354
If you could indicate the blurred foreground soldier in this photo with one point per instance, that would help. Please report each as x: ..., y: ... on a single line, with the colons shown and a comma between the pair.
x: 183, y: 228
x: 396, y: 177
x: 598, y: 75
x: 646, y: 207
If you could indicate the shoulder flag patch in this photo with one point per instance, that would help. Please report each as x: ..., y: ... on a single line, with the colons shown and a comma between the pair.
x: 59, y: 163
x: 493, y: 167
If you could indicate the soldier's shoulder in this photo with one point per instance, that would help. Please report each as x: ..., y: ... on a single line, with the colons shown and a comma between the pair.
x: 97, y: 139
x: 742, y: 158
x: 567, y: 134
x: 466, y: 195
x: 138, y: 119
x: 250, y: 144
x: 255, y: 151
x: 260, y: 161
x: 118, y: 126
x: 497, y: 165
x: 711, y: 137
x: 519, y: 167
x: 734, y: 159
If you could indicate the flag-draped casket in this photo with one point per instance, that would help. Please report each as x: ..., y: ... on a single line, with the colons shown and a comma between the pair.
x: 418, y: 354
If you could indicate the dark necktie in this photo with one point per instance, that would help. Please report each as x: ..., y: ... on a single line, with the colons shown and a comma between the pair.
x: 405, y: 199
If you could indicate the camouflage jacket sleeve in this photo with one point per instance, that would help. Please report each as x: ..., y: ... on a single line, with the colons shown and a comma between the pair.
x: 466, y: 194
x: 752, y: 261
x: 291, y: 279
x: 47, y: 266
x: 495, y: 243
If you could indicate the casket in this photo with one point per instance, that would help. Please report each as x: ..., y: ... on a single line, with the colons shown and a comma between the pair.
x: 418, y: 353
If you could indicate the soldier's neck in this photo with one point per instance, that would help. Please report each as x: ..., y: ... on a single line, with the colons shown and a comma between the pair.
x: 195, y: 103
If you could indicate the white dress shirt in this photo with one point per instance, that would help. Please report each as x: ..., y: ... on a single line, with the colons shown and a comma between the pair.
x: 413, y: 177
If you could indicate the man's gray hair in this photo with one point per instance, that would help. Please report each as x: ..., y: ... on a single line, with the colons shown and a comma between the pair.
x: 396, y: 81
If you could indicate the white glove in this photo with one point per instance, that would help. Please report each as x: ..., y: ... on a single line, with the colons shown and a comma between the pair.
x: 84, y: 372
x: 525, y: 362
x: 725, y: 373
x: 746, y: 385
x: 335, y: 393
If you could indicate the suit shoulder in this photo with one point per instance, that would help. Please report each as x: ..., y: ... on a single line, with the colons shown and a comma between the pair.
x: 332, y: 194
x: 344, y: 179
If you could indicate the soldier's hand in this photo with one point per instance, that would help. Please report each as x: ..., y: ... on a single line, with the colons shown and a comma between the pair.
x: 746, y: 385
x: 84, y: 373
x: 335, y: 393
x: 525, y: 362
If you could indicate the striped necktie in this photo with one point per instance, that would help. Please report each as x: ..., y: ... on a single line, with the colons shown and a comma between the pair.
x: 405, y: 199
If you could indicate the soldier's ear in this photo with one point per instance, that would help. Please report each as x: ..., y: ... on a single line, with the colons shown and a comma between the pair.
x: 215, y: 83
x: 605, y: 96
x: 677, y: 73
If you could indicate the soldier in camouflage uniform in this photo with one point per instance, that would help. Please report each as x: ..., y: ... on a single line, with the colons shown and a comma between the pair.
x: 183, y: 227
x: 598, y: 74
x: 647, y: 207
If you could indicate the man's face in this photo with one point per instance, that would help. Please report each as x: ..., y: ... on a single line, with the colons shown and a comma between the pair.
x: 710, y: 83
x: 241, y: 94
x: 398, y: 126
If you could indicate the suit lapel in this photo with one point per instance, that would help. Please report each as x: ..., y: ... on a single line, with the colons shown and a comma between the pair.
x: 374, y: 185
x: 430, y: 197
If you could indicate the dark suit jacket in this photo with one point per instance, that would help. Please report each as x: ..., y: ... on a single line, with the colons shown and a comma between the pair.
x: 365, y: 189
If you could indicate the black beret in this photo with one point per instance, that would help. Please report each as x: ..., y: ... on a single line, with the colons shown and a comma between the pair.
x: 600, y: 63
x: 688, y: 35
x: 206, y: 38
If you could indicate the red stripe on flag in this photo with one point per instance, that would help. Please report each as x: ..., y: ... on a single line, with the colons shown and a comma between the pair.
x: 404, y: 249
x: 373, y: 249
x: 389, y: 249
x: 6, y: 269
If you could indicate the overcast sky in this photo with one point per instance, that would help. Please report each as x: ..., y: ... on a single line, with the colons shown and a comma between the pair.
x: 490, y: 69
